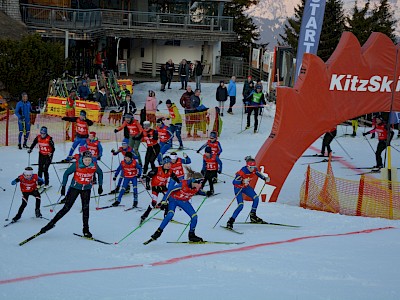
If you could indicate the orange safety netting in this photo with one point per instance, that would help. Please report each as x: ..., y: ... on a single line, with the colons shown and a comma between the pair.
x: 368, y: 197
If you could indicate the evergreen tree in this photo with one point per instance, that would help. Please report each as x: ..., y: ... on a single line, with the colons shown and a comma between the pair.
x: 28, y: 65
x: 243, y: 26
x: 383, y: 19
x: 360, y: 22
x: 332, y: 28
x: 290, y: 37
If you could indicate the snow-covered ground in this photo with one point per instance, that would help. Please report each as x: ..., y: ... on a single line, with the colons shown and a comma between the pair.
x: 329, y: 257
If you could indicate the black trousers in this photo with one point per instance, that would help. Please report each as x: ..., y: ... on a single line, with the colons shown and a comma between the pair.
x: 44, y: 164
x: 326, y: 142
x: 250, y: 110
x: 25, y: 196
x: 151, y: 156
x: 70, y: 198
x: 208, y: 176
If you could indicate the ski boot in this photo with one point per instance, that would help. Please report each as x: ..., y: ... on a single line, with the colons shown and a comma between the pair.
x: 157, y: 234
x: 115, y: 191
x: 38, y: 213
x: 255, y: 219
x: 86, y: 232
x: 194, y: 238
x: 46, y: 228
x: 230, y: 222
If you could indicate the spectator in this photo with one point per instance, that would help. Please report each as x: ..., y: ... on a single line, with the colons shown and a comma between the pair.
x: 151, y: 108
x: 232, y: 94
x: 170, y: 72
x: 221, y: 96
x: 183, y: 72
x: 185, y: 103
x: 83, y: 90
x: 198, y: 72
x: 163, y: 77
x: 23, y: 113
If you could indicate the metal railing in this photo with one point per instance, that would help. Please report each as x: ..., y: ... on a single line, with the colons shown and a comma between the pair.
x: 66, y: 18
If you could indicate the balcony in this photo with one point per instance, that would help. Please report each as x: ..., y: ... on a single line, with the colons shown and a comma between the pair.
x: 89, y: 24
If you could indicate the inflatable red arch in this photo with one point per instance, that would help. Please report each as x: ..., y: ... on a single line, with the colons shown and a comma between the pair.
x: 354, y: 81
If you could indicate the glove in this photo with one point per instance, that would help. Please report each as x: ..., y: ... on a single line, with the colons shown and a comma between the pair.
x: 219, y: 171
x: 29, y: 150
x: 209, y: 193
x: 63, y: 190
x: 115, y: 130
x: 114, y: 178
x: 365, y: 133
x: 100, y: 190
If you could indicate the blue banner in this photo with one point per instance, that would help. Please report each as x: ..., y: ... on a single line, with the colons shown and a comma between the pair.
x: 310, y: 31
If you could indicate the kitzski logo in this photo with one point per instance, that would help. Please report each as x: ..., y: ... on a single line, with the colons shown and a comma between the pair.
x: 352, y: 83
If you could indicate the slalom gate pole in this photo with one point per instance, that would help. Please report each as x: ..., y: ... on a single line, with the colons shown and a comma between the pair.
x: 259, y: 194
x: 228, y: 207
x: 230, y: 159
x: 191, y: 219
x: 140, y: 225
x: 12, y: 200
x: 344, y: 150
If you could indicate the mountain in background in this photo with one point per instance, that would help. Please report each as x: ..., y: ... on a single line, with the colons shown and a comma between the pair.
x: 270, y: 16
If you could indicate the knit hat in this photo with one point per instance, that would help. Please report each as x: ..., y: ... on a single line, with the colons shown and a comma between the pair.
x: 43, y: 130
x: 168, y: 101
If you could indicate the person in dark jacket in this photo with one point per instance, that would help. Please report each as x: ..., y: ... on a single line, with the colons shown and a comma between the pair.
x: 183, y: 72
x: 221, y: 96
x: 170, y: 71
x: 163, y: 77
x: 198, y: 73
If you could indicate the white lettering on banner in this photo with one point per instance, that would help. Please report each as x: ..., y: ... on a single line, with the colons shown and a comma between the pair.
x: 349, y: 82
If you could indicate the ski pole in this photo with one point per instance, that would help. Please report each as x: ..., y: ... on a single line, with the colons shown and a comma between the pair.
x: 48, y: 198
x: 344, y: 150
x: 55, y: 170
x: 191, y: 219
x: 238, y: 160
x: 259, y: 194
x: 12, y: 200
x: 140, y: 225
x: 228, y: 207
x: 227, y: 175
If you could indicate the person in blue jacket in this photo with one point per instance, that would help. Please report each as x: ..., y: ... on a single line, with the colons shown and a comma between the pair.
x: 23, y: 113
x: 232, y: 94
x: 241, y: 184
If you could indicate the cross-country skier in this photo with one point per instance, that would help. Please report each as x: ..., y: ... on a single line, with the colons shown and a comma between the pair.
x: 211, y: 166
x: 46, y: 151
x: 179, y: 195
x: 381, y: 130
x: 82, y: 131
x: 177, y: 162
x: 28, y: 185
x: 131, y: 171
x: 241, y: 186
x: 159, y: 178
x: 81, y: 184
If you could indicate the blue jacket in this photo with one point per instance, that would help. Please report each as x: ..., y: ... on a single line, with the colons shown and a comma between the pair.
x: 23, y: 110
x: 232, y: 88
